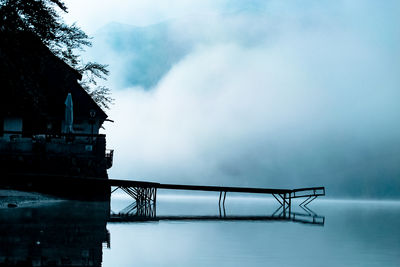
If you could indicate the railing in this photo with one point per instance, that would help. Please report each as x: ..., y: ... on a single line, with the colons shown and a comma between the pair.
x: 308, y: 192
x: 51, y: 134
x: 89, y: 139
x: 54, y: 142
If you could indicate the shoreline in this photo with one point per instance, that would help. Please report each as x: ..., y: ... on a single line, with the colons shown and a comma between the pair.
x: 24, y: 199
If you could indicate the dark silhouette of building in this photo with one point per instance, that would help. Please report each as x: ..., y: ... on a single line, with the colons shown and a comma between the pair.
x: 33, y: 129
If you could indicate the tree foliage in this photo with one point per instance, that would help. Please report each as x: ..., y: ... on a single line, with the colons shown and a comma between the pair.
x: 43, y: 18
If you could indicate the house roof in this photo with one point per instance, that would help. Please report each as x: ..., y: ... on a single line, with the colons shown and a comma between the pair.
x: 33, y: 79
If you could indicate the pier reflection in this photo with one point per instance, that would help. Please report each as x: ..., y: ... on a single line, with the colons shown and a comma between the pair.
x: 146, y: 211
x: 74, y: 233
x: 66, y: 233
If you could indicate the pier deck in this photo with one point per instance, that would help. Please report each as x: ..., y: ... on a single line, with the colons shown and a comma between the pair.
x: 145, y: 195
x: 295, y: 193
x: 147, y: 191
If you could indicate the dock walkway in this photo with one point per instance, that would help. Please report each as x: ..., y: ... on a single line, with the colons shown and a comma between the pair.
x: 145, y: 196
x: 147, y: 191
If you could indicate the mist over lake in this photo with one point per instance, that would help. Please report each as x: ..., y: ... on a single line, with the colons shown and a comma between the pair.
x: 200, y: 133
x: 258, y: 93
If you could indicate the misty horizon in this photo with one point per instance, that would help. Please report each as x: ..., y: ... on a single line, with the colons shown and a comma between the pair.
x: 263, y: 94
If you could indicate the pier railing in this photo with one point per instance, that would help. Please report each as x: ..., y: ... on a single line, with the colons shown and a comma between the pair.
x: 28, y: 143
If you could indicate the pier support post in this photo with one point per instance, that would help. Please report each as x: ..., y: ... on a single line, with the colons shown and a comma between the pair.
x: 144, y: 204
x: 285, y: 201
x: 223, y: 203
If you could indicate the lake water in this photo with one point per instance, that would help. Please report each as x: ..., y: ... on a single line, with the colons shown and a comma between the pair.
x: 191, y: 231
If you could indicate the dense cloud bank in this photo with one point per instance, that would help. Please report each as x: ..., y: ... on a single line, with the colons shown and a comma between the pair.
x: 274, y: 96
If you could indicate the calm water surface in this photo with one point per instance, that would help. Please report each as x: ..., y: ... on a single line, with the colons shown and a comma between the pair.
x: 353, y: 233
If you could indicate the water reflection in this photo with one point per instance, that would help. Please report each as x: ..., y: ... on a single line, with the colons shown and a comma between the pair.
x: 66, y: 233
x: 139, y: 211
x: 74, y: 233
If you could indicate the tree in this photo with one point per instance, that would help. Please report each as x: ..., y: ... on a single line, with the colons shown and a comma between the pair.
x: 42, y: 18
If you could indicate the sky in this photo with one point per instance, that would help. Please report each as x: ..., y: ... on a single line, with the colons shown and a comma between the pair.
x: 252, y: 93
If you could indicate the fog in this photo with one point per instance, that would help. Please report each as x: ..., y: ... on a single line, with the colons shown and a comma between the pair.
x: 273, y: 95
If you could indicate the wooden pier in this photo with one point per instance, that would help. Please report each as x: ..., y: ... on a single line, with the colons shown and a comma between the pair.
x: 145, y: 197
x: 146, y: 192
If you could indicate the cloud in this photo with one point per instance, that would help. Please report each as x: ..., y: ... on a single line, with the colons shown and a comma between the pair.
x: 135, y: 12
x: 137, y: 56
x: 274, y: 96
